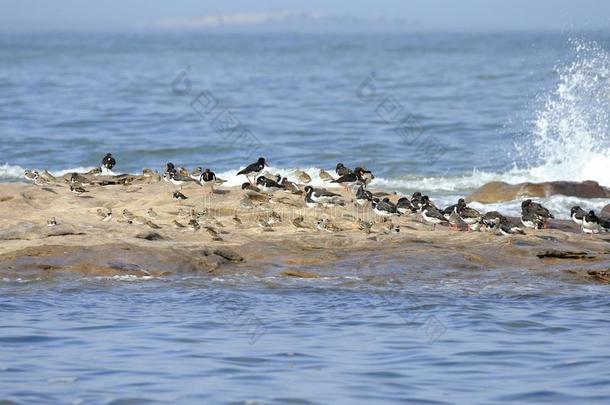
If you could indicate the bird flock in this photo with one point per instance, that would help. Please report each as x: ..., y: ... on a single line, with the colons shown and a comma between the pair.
x: 355, y: 182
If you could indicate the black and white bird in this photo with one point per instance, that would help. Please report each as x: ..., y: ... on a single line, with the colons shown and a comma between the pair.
x: 404, y: 206
x: 363, y: 196
x: 432, y: 215
x: 31, y: 175
x: 507, y: 228
x: 590, y: 223
x: 108, y: 162
x: 536, y: 208
x: 268, y: 185
x: 530, y: 219
x: 253, y: 169
x: 51, y: 222
x: 313, y: 197
x: 491, y: 220
x: 341, y: 170
x: 416, y: 200
x: 177, y: 195
x: 451, y: 209
x: 469, y: 215
x: 366, y: 176
x: 169, y: 168
x: 384, y: 208
x: 349, y: 179
x: 207, y: 180
x: 179, y: 179
x: 577, y: 214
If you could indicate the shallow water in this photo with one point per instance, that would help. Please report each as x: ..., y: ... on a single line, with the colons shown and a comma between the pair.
x: 275, y: 341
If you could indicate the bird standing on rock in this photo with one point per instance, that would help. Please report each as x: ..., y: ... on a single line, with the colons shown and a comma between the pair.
x: 253, y: 169
x: 108, y: 162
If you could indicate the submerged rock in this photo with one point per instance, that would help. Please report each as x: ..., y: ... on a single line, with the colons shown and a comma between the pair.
x: 498, y: 191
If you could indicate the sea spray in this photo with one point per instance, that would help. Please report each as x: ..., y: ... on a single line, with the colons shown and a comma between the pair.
x: 571, y: 138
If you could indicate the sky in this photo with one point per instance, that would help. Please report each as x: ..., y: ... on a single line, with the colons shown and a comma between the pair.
x: 418, y: 15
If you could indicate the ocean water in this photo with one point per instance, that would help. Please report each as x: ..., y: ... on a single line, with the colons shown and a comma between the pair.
x: 439, y: 113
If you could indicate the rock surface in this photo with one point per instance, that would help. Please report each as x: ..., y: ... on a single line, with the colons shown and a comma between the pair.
x: 498, y: 191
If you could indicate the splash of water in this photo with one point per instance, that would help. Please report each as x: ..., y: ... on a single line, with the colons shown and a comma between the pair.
x: 571, y: 137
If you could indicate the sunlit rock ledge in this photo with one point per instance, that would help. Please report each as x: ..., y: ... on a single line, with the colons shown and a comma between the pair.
x: 231, y: 239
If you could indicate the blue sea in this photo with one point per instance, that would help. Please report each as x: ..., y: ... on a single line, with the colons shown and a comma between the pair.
x: 438, y: 113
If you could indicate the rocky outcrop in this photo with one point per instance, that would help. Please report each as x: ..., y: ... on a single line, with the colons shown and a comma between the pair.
x: 498, y: 191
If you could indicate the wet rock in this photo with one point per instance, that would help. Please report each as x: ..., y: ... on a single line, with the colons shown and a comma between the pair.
x: 600, y: 275
x: 605, y: 212
x: 564, y: 254
x: 498, y: 191
x: 300, y: 274
x: 228, y: 254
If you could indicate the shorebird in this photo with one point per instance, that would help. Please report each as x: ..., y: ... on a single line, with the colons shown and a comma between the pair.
x: 507, y: 228
x: 404, y: 206
x: 77, y: 189
x: 253, y: 169
x: 469, y: 215
x: 577, y: 214
x: 104, y: 215
x: 366, y: 176
x: 148, y: 172
x: 196, y: 173
x: 325, y: 176
x: 212, y: 232
x: 30, y: 175
x: 178, y: 225
x: 491, y: 220
x: 252, y: 191
x: 363, y: 196
x: 51, y: 222
x: 268, y: 185
x: 302, y: 176
x: 128, y: 215
x: 328, y: 226
x: 108, y: 162
x: 384, y: 208
x: 152, y: 224
x: 455, y: 220
x: 532, y: 220
x: 341, y: 170
x: 313, y: 197
x: 178, y: 179
x: 537, y: 210
x: 290, y: 186
x: 45, y: 175
x: 193, y: 225
x: 179, y: 196
x: 150, y: 213
x: 364, y: 226
x: 208, y: 179
x: 96, y: 171
x: 76, y: 178
x: 349, y: 179
x: 432, y: 215
x: 298, y: 223
x: 590, y: 223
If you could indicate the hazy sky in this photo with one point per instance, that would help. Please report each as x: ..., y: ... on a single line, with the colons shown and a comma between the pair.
x: 415, y: 14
